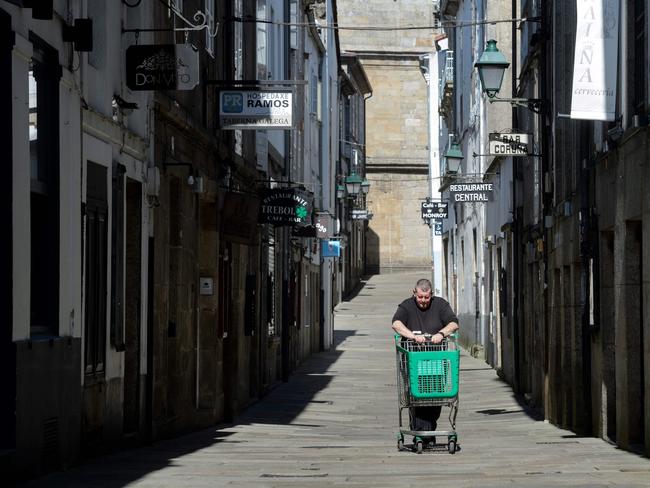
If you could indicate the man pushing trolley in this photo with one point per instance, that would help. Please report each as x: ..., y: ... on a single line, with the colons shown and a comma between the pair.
x: 427, y: 367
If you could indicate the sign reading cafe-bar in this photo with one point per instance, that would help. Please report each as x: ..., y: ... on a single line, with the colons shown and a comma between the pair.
x: 255, y: 109
x: 471, y: 192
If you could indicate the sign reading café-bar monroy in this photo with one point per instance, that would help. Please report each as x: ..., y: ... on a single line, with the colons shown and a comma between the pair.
x: 435, y: 210
x: 471, y: 192
x: 255, y: 109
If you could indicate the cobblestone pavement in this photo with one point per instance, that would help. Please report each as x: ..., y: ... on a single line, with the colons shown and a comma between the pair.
x: 335, y: 422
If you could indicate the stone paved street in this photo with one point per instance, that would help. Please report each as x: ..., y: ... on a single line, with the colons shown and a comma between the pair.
x: 334, y: 424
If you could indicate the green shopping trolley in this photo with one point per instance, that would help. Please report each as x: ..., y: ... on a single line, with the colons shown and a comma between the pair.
x: 427, y: 375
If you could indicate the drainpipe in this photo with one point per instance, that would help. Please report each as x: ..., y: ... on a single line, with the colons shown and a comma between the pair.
x: 515, y: 217
x: 434, y: 167
x: 586, y: 263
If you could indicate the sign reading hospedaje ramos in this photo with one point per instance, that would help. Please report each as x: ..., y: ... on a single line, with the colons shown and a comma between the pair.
x: 255, y: 109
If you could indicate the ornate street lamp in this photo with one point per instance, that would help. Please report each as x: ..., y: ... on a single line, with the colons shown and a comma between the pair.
x: 491, y: 66
x: 340, y: 191
x: 365, y: 186
x: 453, y: 158
x: 353, y: 184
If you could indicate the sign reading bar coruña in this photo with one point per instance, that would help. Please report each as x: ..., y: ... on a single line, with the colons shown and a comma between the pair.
x: 285, y: 206
x: 510, y: 144
x: 162, y: 67
x: 255, y: 109
x: 471, y: 192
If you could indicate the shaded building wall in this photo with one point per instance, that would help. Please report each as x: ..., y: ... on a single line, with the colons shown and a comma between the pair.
x: 587, y: 363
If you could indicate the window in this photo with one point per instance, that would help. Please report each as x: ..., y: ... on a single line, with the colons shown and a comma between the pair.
x: 96, y: 235
x: 238, y: 41
x: 314, y: 91
x: 43, y: 80
x: 177, y: 4
x: 210, y: 31
x: 262, y: 60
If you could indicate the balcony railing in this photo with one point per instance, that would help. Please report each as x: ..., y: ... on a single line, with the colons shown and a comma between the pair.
x: 447, y: 85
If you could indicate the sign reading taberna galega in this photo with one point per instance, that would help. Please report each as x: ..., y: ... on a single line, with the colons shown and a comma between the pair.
x: 255, y: 109
x: 471, y: 192
x: 285, y: 206
x: 162, y: 67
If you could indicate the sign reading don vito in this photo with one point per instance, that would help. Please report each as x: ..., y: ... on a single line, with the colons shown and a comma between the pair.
x: 255, y: 109
x: 471, y: 192
x: 285, y: 206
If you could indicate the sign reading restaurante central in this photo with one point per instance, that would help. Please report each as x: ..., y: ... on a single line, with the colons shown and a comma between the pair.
x: 471, y: 192
x: 285, y: 206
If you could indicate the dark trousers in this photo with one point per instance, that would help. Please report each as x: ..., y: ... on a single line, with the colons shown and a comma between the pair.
x: 424, y: 418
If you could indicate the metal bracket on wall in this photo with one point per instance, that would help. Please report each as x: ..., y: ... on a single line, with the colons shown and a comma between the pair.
x: 201, y: 22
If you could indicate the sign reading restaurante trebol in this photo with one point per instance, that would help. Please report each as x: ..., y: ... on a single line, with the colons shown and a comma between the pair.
x: 285, y: 206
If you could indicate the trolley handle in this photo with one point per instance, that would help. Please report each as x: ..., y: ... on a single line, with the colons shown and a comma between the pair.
x: 451, y: 337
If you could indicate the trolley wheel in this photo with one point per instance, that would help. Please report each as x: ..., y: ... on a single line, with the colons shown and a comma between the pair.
x: 452, y: 446
x: 419, y: 446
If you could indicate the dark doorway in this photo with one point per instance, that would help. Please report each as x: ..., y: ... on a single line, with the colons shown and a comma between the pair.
x: 132, y: 306
x: 634, y: 340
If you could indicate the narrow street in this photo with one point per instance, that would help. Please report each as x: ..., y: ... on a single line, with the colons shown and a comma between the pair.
x: 334, y: 423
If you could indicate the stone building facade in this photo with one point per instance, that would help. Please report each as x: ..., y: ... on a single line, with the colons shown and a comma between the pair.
x: 397, y: 152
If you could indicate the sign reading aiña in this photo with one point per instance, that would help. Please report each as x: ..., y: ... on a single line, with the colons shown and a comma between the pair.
x: 285, y: 206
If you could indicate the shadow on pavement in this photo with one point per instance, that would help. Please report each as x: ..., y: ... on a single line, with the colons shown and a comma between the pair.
x: 280, y: 407
x: 363, y: 283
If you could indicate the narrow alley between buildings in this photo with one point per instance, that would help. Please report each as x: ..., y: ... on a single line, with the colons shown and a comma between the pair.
x: 335, y: 423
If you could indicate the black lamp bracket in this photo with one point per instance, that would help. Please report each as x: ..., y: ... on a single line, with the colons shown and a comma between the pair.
x: 533, y: 104
x: 201, y: 22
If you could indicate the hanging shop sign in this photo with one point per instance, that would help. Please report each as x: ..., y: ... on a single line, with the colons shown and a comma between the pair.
x: 285, y: 206
x: 361, y: 214
x: 437, y: 227
x: 434, y: 210
x: 471, y: 192
x: 593, y: 95
x: 255, y: 109
x: 330, y: 248
x: 510, y: 144
x: 162, y: 67
x: 324, y: 225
